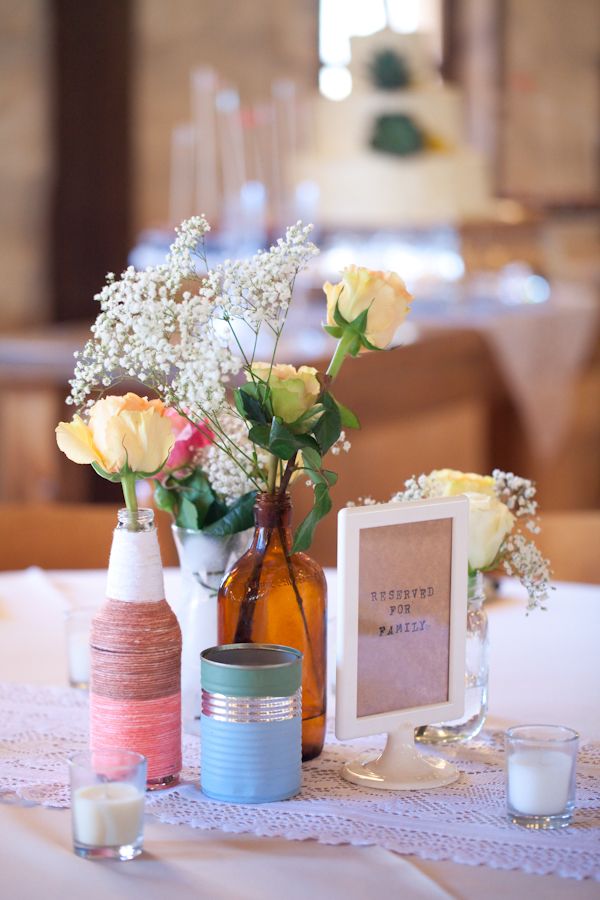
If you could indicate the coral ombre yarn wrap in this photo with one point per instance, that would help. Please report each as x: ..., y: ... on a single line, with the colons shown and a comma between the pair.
x: 135, y: 684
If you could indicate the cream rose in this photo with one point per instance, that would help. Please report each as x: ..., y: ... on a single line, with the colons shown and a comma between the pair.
x: 293, y: 391
x: 490, y: 521
x: 451, y: 482
x: 124, y: 430
x: 384, y: 294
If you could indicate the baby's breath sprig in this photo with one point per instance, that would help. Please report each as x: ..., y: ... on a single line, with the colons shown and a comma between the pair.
x: 517, y: 493
x: 241, y: 468
x: 161, y: 327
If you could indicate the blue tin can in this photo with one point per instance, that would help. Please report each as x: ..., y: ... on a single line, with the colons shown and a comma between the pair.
x: 251, y: 722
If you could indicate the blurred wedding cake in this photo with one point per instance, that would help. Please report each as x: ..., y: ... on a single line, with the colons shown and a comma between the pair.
x: 393, y: 153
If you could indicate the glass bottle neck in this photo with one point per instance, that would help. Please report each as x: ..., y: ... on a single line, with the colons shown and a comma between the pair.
x: 475, y: 590
x: 272, y: 518
x: 140, y: 520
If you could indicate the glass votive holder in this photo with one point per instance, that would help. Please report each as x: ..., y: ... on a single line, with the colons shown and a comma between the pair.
x: 251, y: 722
x: 78, y: 622
x: 540, y: 775
x: 107, y: 803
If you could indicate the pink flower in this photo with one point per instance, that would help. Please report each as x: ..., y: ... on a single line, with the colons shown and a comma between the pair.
x: 188, y: 440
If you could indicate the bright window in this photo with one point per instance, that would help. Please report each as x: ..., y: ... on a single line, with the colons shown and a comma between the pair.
x: 340, y: 20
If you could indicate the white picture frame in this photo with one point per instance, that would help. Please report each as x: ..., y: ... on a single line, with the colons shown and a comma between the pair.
x: 352, y: 523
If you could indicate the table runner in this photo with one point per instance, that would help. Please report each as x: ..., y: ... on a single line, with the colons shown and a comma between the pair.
x: 464, y: 822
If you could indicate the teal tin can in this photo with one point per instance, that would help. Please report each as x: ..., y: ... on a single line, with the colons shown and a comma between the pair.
x: 251, y: 722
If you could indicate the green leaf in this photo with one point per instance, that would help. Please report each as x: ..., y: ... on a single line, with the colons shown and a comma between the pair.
x: 368, y: 344
x: 338, y: 317
x: 321, y: 476
x: 110, y: 476
x: 165, y: 499
x: 196, y: 487
x: 348, y: 418
x: 359, y: 324
x: 188, y: 515
x: 357, y: 328
x: 251, y: 408
x: 353, y: 342
x: 216, y: 511
x: 238, y: 517
x: 305, y: 531
x: 307, y: 421
x: 328, y: 428
x: 238, y: 399
x: 260, y: 434
x: 254, y: 402
x: 284, y: 443
x: 312, y: 459
x: 140, y: 475
x: 117, y: 476
x: 279, y: 439
x: 197, y: 490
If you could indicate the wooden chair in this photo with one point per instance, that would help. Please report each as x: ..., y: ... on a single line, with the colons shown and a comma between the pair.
x: 66, y: 536
x: 571, y: 541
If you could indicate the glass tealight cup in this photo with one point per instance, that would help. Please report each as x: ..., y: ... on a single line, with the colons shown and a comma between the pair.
x: 107, y: 803
x: 78, y: 623
x: 540, y: 775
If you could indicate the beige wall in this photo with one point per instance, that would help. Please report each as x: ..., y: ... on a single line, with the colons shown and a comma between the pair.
x: 249, y: 42
x: 552, y: 100
x: 24, y: 161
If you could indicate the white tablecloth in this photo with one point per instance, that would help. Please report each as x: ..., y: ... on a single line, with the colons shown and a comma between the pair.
x: 545, y: 667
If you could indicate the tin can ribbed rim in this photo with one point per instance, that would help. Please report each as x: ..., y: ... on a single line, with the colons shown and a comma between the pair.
x: 245, y: 670
x: 251, y: 709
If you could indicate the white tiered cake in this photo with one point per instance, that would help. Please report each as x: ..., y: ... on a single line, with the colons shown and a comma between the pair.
x: 437, y: 179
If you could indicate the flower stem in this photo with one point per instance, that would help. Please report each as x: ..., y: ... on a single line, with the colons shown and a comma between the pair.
x: 341, y: 352
x: 128, y: 485
x: 272, y: 473
x: 288, y: 472
x: 243, y: 629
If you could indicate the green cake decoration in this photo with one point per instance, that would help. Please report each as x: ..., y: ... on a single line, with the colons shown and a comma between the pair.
x: 389, y: 71
x: 397, y: 134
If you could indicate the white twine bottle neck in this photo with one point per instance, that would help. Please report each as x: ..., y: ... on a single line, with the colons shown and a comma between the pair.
x: 135, y: 573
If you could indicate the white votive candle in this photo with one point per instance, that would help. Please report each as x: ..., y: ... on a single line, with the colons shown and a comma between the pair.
x: 539, y: 781
x: 540, y: 775
x: 107, y: 815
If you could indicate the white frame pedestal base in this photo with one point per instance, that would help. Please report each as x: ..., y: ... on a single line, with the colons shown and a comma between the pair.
x: 400, y: 767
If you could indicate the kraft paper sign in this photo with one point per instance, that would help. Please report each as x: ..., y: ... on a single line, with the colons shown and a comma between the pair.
x: 404, y: 616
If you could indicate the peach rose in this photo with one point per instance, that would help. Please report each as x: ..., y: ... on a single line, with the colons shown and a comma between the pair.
x: 128, y: 430
x: 384, y: 294
x: 490, y: 522
x: 293, y: 391
x: 451, y: 482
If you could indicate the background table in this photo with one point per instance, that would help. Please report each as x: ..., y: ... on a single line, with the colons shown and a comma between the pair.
x: 544, y: 667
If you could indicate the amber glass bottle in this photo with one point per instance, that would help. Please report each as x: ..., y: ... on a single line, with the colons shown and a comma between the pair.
x: 272, y: 596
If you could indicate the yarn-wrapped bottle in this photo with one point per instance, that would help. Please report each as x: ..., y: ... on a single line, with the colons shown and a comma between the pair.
x: 135, y: 681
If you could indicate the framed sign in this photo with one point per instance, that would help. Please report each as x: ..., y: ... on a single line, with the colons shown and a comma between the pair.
x: 402, y: 608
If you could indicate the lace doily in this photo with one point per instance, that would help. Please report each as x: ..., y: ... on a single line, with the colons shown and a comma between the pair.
x: 464, y: 822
